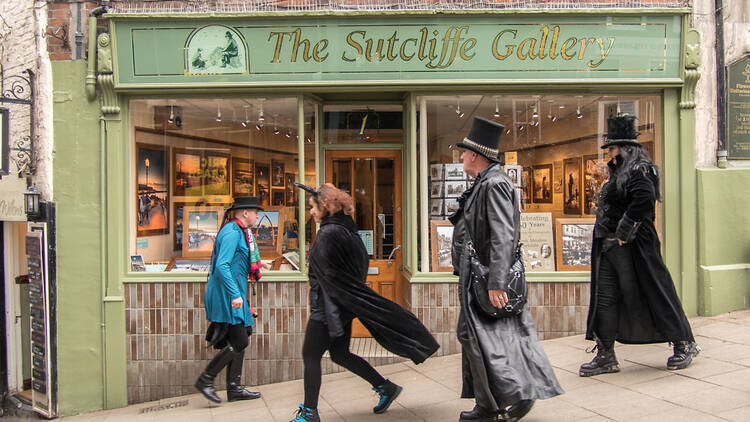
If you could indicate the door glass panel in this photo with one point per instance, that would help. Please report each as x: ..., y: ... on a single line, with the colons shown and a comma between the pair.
x: 342, y: 175
x: 364, y: 195
x: 385, y: 200
x: 344, y: 124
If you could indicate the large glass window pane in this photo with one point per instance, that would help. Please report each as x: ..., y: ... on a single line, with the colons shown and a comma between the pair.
x: 191, y: 158
x: 550, y: 149
x: 348, y: 124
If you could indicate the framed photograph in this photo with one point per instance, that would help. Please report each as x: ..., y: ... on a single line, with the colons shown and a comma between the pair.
x: 200, y: 228
x: 436, y: 207
x: 152, y: 196
x: 136, y: 264
x: 454, y: 189
x: 557, y: 169
x: 573, y: 240
x: 455, y: 171
x: 179, y: 212
x: 441, y: 241
x: 185, y: 265
x: 242, y: 177
x: 514, y: 173
x: 541, y: 179
x: 277, y: 174
x: 278, y: 196
x: 187, y: 172
x: 572, y: 188
x: 451, y: 206
x: 436, y: 190
x: 268, y: 231
x: 293, y: 259
x: 291, y: 191
x: 436, y: 172
x: 216, y: 174
x: 526, y: 184
x: 595, y: 175
x: 263, y: 183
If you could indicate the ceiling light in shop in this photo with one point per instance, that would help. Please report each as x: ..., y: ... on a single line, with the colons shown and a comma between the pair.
x: 459, y: 113
x: 579, y: 115
x: 247, y: 120
x: 497, y: 109
x: 170, y: 120
x: 218, y: 112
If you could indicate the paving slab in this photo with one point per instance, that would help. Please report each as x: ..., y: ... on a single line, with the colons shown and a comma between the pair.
x: 716, y: 387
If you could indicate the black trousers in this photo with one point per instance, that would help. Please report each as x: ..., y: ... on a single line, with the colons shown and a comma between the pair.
x: 316, y: 343
x: 616, y: 274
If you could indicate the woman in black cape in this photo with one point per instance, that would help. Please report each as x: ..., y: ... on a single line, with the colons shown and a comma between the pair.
x: 338, y: 294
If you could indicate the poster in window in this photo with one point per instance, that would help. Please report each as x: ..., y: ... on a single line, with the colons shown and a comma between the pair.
x: 441, y: 242
x: 573, y: 240
x: 216, y: 173
x: 542, y: 183
x: 455, y: 171
x: 242, y: 177
x: 538, y: 241
x: 262, y: 187
x: 200, y: 228
x: 595, y: 175
x: 572, y: 186
x: 152, y: 197
x: 277, y: 174
x: 187, y: 173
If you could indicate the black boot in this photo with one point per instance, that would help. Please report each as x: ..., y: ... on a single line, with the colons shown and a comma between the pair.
x: 684, y: 351
x: 478, y: 414
x: 605, y: 361
x: 205, y: 383
x: 517, y: 411
x: 388, y: 393
x: 235, y: 391
x: 305, y: 414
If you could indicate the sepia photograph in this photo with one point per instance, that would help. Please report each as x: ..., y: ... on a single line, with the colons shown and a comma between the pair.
x: 542, y: 184
x: 441, y: 238
x: 451, y: 206
x: 573, y: 240
x: 596, y: 174
x: 514, y: 173
x: 436, y: 207
x: 455, y: 171
x: 216, y: 174
x: 455, y: 189
x: 526, y: 185
x: 436, y: 172
x: 572, y: 186
x: 436, y: 190
x: 152, y: 201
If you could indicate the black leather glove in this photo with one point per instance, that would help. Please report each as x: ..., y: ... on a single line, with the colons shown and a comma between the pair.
x: 626, y: 229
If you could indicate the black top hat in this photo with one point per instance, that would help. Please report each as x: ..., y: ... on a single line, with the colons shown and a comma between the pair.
x: 244, y: 202
x: 484, y: 138
x: 621, y: 131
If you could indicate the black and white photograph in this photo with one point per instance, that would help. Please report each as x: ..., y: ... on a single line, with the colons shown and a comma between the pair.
x: 441, y: 236
x: 455, y: 171
x: 152, y: 200
x: 574, y: 238
x: 514, y: 173
x: 436, y: 172
x: 572, y: 185
x: 436, y: 207
x: 542, y: 184
x: 451, y: 206
x: 454, y: 189
x: 436, y: 189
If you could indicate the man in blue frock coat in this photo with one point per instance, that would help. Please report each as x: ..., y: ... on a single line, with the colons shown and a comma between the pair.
x: 234, y: 261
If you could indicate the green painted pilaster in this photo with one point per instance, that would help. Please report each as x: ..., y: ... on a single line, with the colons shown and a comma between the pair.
x: 688, y: 213
x: 671, y: 238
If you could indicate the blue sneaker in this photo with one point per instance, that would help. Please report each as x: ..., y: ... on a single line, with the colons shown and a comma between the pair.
x: 388, y: 393
x: 306, y: 415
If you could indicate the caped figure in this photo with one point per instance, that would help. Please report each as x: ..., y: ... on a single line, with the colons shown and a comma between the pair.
x: 339, y: 293
x: 235, y: 260
x: 633, y: 299
x: 504, y: 367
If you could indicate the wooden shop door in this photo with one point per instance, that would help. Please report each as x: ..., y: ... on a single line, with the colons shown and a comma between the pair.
x: 373, y: 178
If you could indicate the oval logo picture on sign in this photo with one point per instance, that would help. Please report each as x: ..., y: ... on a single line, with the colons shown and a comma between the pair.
x: 215, y: 50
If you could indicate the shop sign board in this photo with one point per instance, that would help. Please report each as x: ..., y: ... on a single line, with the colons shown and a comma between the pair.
x: 738, y: 109
x: 310, y: 50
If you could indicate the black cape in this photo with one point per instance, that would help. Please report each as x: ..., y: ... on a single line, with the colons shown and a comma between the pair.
x: 650, y: 310
x: 339, y: 263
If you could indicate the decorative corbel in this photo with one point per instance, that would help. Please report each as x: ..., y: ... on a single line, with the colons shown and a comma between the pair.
x: 105, y: 75
x: 691, y: 73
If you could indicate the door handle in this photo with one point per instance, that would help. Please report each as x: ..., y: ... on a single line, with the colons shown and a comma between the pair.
x: 390, y: 257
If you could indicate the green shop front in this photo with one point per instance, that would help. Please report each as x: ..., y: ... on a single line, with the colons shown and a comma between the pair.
x: 195, y: 110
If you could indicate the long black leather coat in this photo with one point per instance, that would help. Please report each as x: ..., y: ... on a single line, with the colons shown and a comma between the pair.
x: 650, y: 310
x: 502, y: 359
x: 338, y: 270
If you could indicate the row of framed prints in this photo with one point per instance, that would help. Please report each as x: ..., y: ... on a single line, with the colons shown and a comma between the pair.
x: 196, y: 174
x: 566, y: 248
x: 447, y: 183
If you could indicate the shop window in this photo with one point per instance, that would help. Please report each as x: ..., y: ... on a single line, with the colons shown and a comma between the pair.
x: 377, y: 124
x: 550, y: 149
x: 191, y: 157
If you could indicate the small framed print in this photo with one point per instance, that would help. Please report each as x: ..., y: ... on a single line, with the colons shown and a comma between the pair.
x: 185, y: 265
x: 278, y: 196
x: 136, y: 264
x: 277, y: 174
x: 242, y: 177
x: 436, y: 172
x: 451, y: 206
x: 152, y: 196
x: 573, y: 240
x: 436, y: 207
x: 514, y: 173
x: 572, y: 186
x: 268, y: 231
x: 526, y: 184
x: 436, y: 190
x: 454, y: 189
x: 595, y: 175
x: 263, y: 183
x: 216, y: 173
x: 187, y: 172
x: 200, y: 228
x: 441, y: 242
x: 291, y: 191
x: 455, y: 171
x: 542, y: 183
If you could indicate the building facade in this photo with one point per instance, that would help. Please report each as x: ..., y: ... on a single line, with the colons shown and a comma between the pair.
x: 178, y: 107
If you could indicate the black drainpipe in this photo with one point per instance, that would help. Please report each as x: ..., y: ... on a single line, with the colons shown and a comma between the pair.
x: 721, y: 85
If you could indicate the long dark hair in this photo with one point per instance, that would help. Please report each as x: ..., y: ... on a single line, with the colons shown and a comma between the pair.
x: 633, y: 158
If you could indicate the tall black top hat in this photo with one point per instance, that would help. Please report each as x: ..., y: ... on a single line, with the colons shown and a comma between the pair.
x: 484, y: 138
x: 621, y: 131
x: 245, y: 202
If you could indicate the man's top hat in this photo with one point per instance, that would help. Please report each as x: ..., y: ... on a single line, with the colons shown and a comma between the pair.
x: 621, y: 131
x: 244, y: 202
x: 484, y: 138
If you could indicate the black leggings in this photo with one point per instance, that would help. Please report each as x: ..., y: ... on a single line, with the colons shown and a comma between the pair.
x: 237, y: 337
x: 316, y: 343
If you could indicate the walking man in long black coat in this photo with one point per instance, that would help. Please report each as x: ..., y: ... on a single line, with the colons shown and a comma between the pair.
x: 503, y: 364
x: 633, y: 299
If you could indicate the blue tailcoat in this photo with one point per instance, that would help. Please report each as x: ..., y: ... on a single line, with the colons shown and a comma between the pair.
x: 228, y: 278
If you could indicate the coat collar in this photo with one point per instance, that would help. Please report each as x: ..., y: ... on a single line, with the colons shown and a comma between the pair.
x: 482, y: 175
x: 340, y: 219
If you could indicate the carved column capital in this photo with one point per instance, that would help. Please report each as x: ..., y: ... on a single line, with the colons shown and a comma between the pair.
x: 105, y: 75
x: 692, y: 60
